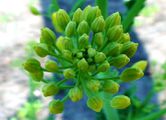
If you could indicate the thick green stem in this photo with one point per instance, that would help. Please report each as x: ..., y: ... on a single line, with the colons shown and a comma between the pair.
x: 103, y: 5
x: 132, y: 13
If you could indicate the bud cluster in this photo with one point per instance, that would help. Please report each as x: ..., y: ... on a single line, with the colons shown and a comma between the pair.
x: 89, y: 45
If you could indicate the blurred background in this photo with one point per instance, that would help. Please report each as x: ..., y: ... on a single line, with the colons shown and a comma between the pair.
x: 19, y: 28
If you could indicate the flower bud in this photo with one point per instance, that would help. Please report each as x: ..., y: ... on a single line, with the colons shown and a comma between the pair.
x: 83, y: 27
x: 83, y: 65
x: 130, y: 74
x: 70, y: 29
x: 93, y: 13
x: 120, y: 102
x: 113, y: 20
x: 67, y: 54
x: 68, y: 45
x: 60, y: 20
x: 34, y: 10
x: 125, y: 37
x: 129, y: 49
x: 56, y: 106
x: 60, y: 43
x: 100, y: 57
x: 93, y: 85
x: 110, y: 86
x: 79, y: 55
x: 75, y: 94
x: 103, y: 67
x: 85, y: 12
x: 119, y: 61
x: 95, y: 103
x: 98, y: 39
x: 41, y: 49
x: 83, y: 41
x: 98, y: 25
x: 91, y: 52
x: 115, y: 33
x: 69, y: 73
x: 37, y: 76
x: 142, y: 64
x: 50, y: 89
x: 77, y: 16
x: 47, y: 36
x: 112, y: 49
x: 32, y: 65
x: 51, y: 66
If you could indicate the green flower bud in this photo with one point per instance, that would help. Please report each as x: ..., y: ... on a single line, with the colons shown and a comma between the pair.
x: 103, y: 67
x: 51, y: 66
x: 47, y: 36
x: 94, y: 85
x: 83, y: 27
x: 124, y: 38
x: 115, y: 33
x: 56, y: 106
x: 79, y: 55
x: 98, y: 25
x: 130, y: 74
x: 113, y: 20
x: 92, y: 68
x: 69, y: 73
x: 112, y: 49
x: 91, y: 52
x: 50, y: 89
x: 70, y: 29
x: 100, y: 57
x: 93, y: 13
x: 98, y: 39
x: 77, y: 16
x: 75, y: 94
x: 37, y: 76
x: 119, y: 61
x: 68, y: 43
x: 83, y: 65
x: 142, y: 64
x: 83, y: 41
x: 110, y: 86
x: 34, y: 10
x: 67, y: 54
x: 120, y: 102
x: 86, y: 12
x: 95, y: 103
x: 60, y: 20
x: 32, y: 65
x: 129, y: 49
x: 41, y: 49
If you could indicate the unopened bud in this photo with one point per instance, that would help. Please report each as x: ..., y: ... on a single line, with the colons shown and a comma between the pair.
x: 93, y: 85
x: 110, y: 86
x: 60, y: 20
x: 103, y: 67
x: 75, y: 94
x: 98, y: 25
x: 120, y: 102
x: 51, y: 66
x: 83, y: 27
x: 95, y: 103
x: 56, y: 106
x: 113, y: 20
x: 86, y: 12
x: 41, y: 49
x: 69, y: 73
x: 119, y: 61
x: 114, y: 33
x: 70, y: 29
x: 91, y: 52
x: 142, y: 64
x: 129, y: 49
x: 100, y: 57
x: 77, y: 16
x: 32, y: 65
x: 37, y: 76
x: 34, y: 10
x: 83, y: 65
x: 124, y: 38
x: 79, y: 55
x: 131, y: 74
x: 67, y: 54
x: 50, y: 89
x: 83, y: 41
x: 98, y: 39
